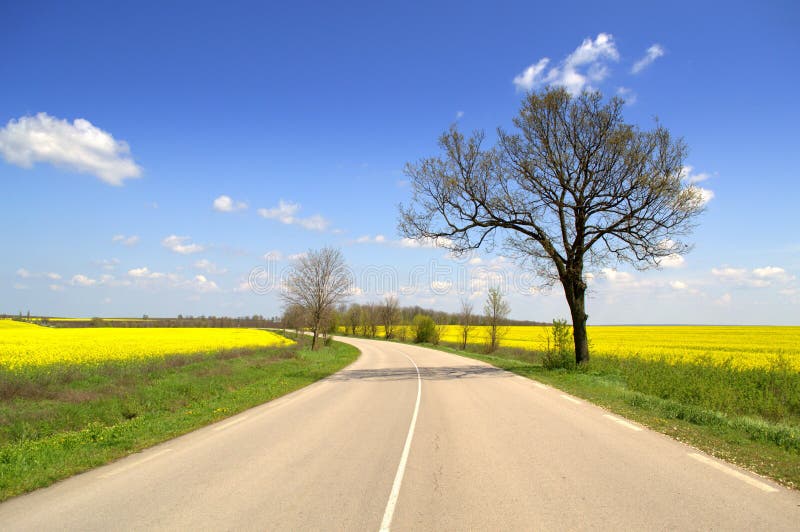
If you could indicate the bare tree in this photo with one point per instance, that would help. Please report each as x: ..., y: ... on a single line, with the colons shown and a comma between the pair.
x: 575, y: 188
x: 294, y: 317
x: 353, y: 317
x: 389, y: 314
x: 497, y: 310
x: 370, y: 317
x: 316, y: 283
x: 466, y: 320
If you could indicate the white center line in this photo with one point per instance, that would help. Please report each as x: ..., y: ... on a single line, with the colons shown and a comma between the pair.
x: 732, y: 472
x: 135, y: 464
x: 623, y: 422
x: 568, y: 398
x: 401, y: 467
x: 229, y: 423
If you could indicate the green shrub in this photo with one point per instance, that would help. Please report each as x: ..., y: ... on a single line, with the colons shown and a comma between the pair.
x: 425, y: 330
x: 559, y: 351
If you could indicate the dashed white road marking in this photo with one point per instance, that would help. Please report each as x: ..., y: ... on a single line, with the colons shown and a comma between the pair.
x: 401, y: 467
x: 229, y: 423
x: 137, y: 463
x: 732, y: 472
x: 623, y: 422
x: 572, y: 399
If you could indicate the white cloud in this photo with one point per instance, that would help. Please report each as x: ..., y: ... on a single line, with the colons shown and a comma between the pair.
x: 108, y: 264
x: 181, y: 245
x: 755, y: 278
x: 652, y: 53
x: 678, y: 285
x: 459, y: 115
x: 226, y: 204
x: 56, y: 288
x: 627, y: 94
x: 286, y: 212
x: 140, y: 273
x: 20, y: 286
x: 297, y: 256
x: 700, y: 196
x: 770, y: 272
x: 273, y: 255
x: 614, y: 276
x: 424, y: 242
x: 243, y: 286
x: 209, y: 267
x: 129, y: 241
x: 728, y: 273
x: 203, y: 285
x: 587, y: 64
x: 82, y: 280
x: 25, y: 274
x: 672, y: 261
x: 724, y: 299
x: 531, y: 76
x: 441, y: 287
x: 78, y: 146
x: 369, y: 239
x: 690, y: 177
x: 313, y: 223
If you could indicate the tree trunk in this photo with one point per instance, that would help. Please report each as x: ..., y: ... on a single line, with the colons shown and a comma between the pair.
x: 576, y: 299
x: 314, y: 340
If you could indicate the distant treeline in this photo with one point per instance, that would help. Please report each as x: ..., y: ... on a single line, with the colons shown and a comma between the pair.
x: 406, y: 315
x: 256, y: 321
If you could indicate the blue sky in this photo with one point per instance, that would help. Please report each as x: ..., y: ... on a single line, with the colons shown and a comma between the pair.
x: 123, y: 125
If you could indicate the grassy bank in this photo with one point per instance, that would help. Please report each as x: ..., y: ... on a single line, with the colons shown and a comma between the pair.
x: 62, y: 420
x: 750, y: 417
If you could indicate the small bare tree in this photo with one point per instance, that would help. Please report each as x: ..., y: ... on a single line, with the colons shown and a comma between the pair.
x: 466, y: 320
x: 294, y: 317
x: 317, y: 282
x: 389, y: 314
x: 370, y: 315
x: 573, y: 189
x: 497, y: 310
x: 353, y: 318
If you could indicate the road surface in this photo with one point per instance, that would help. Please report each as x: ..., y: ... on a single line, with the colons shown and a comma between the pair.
x: 409, y: 438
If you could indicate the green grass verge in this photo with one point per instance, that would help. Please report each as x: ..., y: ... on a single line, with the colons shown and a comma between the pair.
x: 749, y: 418
x: 66, y: 420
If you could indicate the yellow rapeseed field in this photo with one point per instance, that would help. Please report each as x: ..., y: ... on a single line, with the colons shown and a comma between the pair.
x: 741, y: 346
x: 744, y: 347
x: 27, y: 345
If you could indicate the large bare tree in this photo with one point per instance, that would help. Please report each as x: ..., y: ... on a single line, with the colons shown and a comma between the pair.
x: 573, y: 188
x: 317, y: 282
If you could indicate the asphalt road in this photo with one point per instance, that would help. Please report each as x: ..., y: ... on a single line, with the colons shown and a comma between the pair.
x: 414, y: 439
